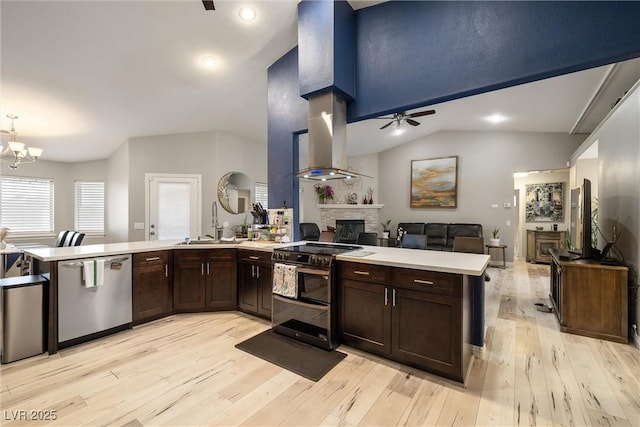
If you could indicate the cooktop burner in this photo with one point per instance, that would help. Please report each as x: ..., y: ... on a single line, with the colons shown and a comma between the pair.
x: 320, y: 248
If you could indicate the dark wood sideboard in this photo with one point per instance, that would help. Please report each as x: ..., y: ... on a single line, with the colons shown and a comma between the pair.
x: 539, y: 243
x: 590, y: 298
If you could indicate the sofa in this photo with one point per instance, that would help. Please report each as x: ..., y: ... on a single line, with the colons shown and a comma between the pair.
x: 440, y: 236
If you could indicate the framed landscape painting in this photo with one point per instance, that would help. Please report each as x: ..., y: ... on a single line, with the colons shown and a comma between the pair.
x: 434, y: 183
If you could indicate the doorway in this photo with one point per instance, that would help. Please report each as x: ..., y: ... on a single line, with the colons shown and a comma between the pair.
x: 173, y: 204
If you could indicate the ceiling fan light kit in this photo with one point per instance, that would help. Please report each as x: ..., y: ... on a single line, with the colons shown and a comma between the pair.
x: 17, y: 152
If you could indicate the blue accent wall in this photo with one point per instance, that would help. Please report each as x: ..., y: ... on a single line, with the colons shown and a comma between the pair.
x: 411, y: 54
x: 287, y: 114
x: 326, y: 42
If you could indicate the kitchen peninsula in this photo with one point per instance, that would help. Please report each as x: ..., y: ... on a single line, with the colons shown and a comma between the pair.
x: 450, y: 284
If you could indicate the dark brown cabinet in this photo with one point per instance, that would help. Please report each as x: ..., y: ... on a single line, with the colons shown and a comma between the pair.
x: 412, y: 316
x: 590, y: 299
x: 254, y: 282
x: 152, y: 290
x: 204, y: 279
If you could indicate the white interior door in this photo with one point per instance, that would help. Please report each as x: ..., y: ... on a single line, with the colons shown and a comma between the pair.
x: 173, y: 206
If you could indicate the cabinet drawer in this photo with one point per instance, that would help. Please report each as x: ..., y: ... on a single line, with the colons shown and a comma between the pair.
x: 362, y: 272
x: 222, y: 254
x: 427, y: 281
x: 255, y: 257
x: 147, y: 259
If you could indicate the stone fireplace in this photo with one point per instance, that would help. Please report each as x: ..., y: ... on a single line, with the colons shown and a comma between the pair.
x: 369, y: 213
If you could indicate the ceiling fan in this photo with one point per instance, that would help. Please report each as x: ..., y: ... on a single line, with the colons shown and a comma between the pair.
x: 208, y: 5
x: 398, y: 118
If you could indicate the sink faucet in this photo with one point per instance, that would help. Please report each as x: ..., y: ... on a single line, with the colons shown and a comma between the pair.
x: 217, y: 230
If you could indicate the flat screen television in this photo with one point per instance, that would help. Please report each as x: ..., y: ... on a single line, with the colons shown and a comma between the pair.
x: 581, y: 220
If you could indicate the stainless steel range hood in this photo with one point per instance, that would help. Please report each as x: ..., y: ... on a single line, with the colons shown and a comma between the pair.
x: 327, y: 139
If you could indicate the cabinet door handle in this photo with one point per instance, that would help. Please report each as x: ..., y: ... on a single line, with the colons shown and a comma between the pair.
x: 386, y: 296
x: 153, y: 258
x: 361, y: 273
x: 202, y: 268
x: 253, y: 271
x: 208, y: 269
x: 393, y: 296
x: 424, y: 282
x: 166, y: 270
x: 253, y: 257
x: 257, y: 271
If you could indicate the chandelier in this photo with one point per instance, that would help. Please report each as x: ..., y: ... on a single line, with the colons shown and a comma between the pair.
x: 16, y: 152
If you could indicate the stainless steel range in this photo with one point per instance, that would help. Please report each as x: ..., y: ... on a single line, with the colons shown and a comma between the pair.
x: 304, y: 290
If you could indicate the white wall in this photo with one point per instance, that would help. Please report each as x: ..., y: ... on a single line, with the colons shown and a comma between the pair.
x: 64, y: 175
x: 486, y: 163
x: 618, y: 139
x: 540, y: 178
x: 117, y: 196
x: 210, y: 154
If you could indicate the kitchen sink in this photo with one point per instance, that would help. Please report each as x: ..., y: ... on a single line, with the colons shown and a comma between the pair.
x: 207, y: 242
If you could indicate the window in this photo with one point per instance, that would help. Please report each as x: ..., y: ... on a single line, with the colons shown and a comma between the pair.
x: 26, y: 205
x: 262, y: 194
x: 89, y: 211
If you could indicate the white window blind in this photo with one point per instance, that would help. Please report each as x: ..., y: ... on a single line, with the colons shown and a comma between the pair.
x: 26, y: 204
x: 89, y: 210
x: 262, y: 194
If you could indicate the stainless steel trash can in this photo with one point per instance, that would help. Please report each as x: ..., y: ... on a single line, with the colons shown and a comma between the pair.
x: 22, y: 317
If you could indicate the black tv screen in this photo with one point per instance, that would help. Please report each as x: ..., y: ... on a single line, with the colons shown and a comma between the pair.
x: 581, y: 220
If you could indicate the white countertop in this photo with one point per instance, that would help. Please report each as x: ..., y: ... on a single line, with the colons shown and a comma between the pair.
x: 442, y: 261
x: 89, y: 251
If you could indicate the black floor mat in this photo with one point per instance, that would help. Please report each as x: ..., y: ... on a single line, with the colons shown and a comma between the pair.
x: 295, y: 356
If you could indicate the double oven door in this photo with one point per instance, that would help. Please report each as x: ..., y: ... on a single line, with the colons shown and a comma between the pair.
x: 309, y: 317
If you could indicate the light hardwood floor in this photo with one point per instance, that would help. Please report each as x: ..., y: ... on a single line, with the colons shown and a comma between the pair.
x: 184, y: 370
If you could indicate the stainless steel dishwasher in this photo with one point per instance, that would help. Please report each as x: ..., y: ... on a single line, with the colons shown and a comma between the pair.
x: 84, y: 312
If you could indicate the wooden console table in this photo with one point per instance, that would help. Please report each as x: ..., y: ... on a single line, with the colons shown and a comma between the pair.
x: 590, y: 298
x: 540, y: 242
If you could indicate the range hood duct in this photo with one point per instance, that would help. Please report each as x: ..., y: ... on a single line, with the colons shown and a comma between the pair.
x: 327, y: 139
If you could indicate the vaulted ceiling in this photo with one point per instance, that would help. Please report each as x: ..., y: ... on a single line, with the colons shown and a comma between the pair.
x: 83, y: 76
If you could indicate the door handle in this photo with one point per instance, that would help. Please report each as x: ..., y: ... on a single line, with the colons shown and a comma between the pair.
x: 424, y: 282
x: 393, y: 296
x: 208, y: 269
x: 253, y: 271
x: 361, y: 273
x: 386, y: 296
x: 202, y: 268
x: 152, y: 233
x: 253, y: 257
x: 257, y: 271
x: 166, y: 270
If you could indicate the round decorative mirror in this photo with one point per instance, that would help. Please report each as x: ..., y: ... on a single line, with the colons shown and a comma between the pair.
x: 234, y: 192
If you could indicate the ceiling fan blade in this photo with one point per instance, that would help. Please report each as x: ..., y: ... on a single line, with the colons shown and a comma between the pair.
x: 208, y: 5
x: 412, y: 122
x: 387, y: 125
x: 422, y: 113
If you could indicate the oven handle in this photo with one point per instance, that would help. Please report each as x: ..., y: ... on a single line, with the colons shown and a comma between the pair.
x: 301, y: 304
x: 313, y: 271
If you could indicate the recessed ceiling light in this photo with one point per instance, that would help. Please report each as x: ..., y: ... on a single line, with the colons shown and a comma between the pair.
x: 209, y: 61
x: 247, y: 14
x: 496, y: 118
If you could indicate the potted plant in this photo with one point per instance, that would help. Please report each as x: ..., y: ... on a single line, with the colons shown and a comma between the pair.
x: 385, y: 228
x: 495, y: 241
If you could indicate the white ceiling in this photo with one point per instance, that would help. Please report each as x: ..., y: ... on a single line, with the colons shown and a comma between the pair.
x: 86, y: 75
